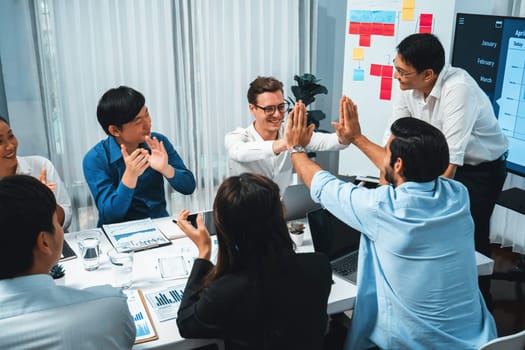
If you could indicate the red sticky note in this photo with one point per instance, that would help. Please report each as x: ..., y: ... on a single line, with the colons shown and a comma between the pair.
x: 353, y: 28
x: 425, y: 29
x: 386, y: 83
x: 377, y: 29
x: 388, y: 29
x: 425, y: 19
x: 386, y: 89
x: 366, y: 28
x: 375, y: 70
x: 387, y: 71
x: 364, y: 40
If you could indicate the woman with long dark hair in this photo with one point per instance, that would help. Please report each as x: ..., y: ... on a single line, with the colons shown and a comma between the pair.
x: 260, y: 294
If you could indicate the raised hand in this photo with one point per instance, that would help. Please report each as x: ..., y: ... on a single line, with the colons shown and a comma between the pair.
x: 348, y: 128
x: 43, y: 179
x: 199, y: 235
x: 297, y: 132
x: 158, y: 159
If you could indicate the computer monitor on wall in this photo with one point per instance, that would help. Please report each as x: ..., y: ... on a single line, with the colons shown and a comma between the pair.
x: 492, y: 50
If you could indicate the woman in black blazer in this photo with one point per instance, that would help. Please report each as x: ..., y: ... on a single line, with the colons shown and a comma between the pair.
x: 261, y: 294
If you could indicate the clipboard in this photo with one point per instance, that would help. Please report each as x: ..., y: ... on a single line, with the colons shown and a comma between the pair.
x: 140, y: 313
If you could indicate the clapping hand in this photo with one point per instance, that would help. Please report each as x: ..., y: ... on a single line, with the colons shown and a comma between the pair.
x: 137, y: 162
x: 43, y: 179
x: 158, y: 159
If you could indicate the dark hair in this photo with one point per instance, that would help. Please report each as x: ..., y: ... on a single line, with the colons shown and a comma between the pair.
x: 422, y: 51
x: 422, y: 147
x: 119, y: 106
x: 26, y: 209
x: 261, y: 85
x: 250, y: 225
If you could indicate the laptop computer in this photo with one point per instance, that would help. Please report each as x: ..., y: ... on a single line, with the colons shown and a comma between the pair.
x: 337, y: 240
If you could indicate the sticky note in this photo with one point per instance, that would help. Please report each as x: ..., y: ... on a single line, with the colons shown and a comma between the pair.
x: 409, y: 4
x: 358, y: 54
x: 364, y: 40
x: 359, y: 74
x: 407, y: 14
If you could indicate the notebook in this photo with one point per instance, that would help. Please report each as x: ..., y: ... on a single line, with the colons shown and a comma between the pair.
x: 337, y: 240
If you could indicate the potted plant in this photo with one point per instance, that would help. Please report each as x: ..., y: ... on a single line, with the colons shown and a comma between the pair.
x: 296, y: 230
x: 306, y: 89
x: 58, y: 273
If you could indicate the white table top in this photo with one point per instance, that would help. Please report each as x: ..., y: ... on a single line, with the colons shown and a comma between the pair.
x: 147, y: 278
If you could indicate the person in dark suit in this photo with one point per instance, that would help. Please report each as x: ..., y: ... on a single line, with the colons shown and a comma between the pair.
x: 260, y: 294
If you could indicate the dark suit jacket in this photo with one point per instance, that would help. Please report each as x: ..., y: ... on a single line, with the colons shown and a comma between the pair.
x: 282, y: 308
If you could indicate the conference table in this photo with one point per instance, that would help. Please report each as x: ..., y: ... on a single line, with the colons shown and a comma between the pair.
x: 147, y: 279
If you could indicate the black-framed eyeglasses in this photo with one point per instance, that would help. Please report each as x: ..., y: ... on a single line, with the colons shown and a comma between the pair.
x: 270, y: 110
x: 401, y: 72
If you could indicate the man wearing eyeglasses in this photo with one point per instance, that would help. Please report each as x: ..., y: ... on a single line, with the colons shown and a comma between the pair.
x: 261, y: 147
x: 451, y: 100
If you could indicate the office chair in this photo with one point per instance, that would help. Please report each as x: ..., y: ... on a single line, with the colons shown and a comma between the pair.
x: 514, y: 341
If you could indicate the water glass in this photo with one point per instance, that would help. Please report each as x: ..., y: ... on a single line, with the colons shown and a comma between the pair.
x: 122, y: 267
x: 89, y: 247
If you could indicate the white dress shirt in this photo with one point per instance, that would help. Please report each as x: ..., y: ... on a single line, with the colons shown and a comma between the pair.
x: 37, y: 314
x: 248, y: 152
x: 462, y: 111
x: 32, y: 166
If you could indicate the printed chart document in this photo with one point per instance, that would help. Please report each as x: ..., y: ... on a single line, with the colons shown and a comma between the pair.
x: 165, y: 303
x: 135, y: 235
x: 139, y: 312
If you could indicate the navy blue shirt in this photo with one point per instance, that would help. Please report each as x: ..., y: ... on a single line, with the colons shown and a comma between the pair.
x: 103, y: 169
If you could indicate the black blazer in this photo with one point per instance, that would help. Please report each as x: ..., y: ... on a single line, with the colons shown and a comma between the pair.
x: 282, y: 308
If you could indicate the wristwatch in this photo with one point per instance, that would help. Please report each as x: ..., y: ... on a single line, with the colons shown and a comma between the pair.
x: 297, y: 149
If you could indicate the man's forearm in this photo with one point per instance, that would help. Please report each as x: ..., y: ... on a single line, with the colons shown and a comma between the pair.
x: 305, y: 167
x: 373, y: 151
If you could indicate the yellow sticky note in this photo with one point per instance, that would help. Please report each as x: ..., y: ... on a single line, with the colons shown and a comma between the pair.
x: 358, y: 54
x: 409, y: 4
x: 407, y: 14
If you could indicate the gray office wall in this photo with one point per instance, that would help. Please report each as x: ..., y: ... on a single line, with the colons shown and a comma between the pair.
x: 329, y: 68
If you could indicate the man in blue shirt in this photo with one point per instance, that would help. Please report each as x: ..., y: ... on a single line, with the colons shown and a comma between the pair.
x: 125, y: 171
x: 417, y: 277
x: 35, y: 312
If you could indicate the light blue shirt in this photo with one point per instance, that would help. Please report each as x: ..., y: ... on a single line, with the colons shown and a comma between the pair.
x: 417, y: 282
x: 37, y: 314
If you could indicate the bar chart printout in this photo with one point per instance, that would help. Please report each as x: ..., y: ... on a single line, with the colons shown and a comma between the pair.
x: 137, y: 308
x: 165, y: 303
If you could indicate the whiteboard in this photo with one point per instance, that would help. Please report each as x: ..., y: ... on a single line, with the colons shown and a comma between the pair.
x: 359, y: 82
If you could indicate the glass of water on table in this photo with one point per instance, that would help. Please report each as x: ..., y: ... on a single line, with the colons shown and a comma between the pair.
x: 89, y: 248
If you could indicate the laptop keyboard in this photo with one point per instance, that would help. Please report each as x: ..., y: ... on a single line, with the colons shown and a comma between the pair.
x: 346, y: 265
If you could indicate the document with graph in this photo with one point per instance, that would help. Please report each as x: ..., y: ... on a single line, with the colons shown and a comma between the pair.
x: 137, y: 307
x: 165, y: 303
x: 135, y: 235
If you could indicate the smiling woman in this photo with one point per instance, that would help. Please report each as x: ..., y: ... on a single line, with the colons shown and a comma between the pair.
x: 36, y: 166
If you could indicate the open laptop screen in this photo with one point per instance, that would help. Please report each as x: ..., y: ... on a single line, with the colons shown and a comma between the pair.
x: 332, y: 236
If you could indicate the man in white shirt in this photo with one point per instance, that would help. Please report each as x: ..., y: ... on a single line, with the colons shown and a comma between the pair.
x: 449, y: 99
x: 36, y: 313
x: 261, y: 147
